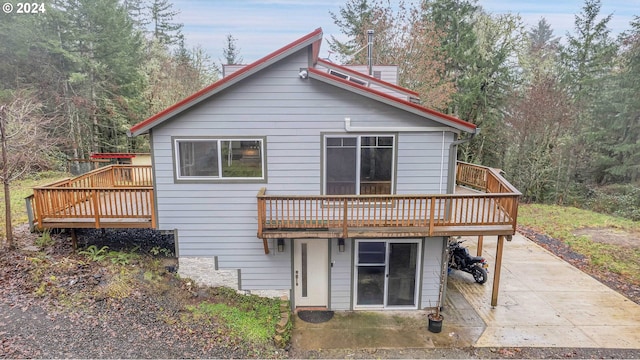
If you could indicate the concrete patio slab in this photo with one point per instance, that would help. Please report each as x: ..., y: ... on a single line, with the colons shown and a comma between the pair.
x: 543, y: 302
x: 546, y: 302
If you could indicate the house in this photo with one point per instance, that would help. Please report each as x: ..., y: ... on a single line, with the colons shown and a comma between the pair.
x: 296, y: 176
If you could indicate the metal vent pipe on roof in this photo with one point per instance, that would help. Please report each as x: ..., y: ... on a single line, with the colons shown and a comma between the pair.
x: 370, y: 51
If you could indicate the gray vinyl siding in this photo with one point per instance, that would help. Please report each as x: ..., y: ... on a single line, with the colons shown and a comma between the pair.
x: 423, y: 162
x: 431, y: 271
x: 219, y: 219
x: 341, y: 275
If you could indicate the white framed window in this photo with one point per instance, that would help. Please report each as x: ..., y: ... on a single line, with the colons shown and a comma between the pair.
x: 219, y: 158
x: 359, y: 164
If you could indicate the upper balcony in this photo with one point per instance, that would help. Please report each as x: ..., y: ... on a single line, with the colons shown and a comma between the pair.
x: 485, y: 203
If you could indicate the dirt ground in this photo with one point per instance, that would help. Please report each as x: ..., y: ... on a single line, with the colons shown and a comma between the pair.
x: 55, y: 304
x: 611, y: 236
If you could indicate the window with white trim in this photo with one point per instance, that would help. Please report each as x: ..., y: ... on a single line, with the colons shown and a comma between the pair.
x: 358, y: 164
x: 215, y: 159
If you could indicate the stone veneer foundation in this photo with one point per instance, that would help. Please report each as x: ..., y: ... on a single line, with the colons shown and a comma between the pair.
x: 204, y: 272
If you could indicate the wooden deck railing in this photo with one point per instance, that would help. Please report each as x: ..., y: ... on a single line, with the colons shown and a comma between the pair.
x: 498, y: 205
x: 482, y: 178
x: 118, y: 194
x: 110, y: 176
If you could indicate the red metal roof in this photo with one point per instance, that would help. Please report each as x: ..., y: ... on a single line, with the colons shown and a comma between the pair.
x: 329, y: 64
x: 443, y: 117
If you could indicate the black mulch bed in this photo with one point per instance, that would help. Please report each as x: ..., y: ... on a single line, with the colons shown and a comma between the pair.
x: 125, y: 239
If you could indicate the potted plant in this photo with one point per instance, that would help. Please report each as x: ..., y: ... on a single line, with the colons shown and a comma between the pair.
x: 436, y: 318
x: 435, y: 321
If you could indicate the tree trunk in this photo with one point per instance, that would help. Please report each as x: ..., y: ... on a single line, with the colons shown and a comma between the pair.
x: 7, y: 212
x: 5, y: 179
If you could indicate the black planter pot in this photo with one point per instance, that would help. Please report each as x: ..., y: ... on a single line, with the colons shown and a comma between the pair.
x: 435, y: 324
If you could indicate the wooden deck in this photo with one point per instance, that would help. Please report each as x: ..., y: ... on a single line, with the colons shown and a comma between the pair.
x: 121, y: 196
x: 116, y: 196
x: 484, y: 204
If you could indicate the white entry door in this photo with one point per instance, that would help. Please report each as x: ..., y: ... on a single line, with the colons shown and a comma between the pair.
x: 311, y: 272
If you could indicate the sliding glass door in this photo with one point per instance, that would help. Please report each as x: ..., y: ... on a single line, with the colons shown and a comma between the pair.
x: 387, y: 273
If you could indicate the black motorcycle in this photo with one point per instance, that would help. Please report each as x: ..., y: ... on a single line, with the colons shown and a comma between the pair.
x: 460, y: 259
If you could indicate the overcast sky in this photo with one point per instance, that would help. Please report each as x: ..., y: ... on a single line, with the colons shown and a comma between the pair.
x: 262, y: 26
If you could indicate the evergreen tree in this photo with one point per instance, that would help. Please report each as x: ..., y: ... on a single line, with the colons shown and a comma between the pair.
x: 354, y: 19
x: 231, y: 52
x: 99, y: 54
x: 402, y: 37
x: 541, y: 57
x: 165, y: 30
x: 587, y: 60
x: 618, y: 109
x: 480, y: 50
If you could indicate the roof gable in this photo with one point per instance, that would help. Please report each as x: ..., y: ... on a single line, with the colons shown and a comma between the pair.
x: 397, y: 102
x: 314, y: 38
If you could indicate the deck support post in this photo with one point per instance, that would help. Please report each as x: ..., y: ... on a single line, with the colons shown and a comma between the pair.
x: 266, y: 246
x: 496, y: 273
x: 480, y: 241
x: 74, y: 239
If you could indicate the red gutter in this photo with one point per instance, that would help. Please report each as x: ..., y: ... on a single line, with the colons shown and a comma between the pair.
x: 223, y: 81
x: 329, y: 64
x: 394, y: 99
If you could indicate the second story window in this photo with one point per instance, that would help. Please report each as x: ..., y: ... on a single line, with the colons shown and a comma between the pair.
x: 358, y: 164
x: 219, y: 159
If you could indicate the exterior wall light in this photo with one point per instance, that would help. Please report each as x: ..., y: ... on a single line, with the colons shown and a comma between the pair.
x: 341, y: 245
x: 281, y: 245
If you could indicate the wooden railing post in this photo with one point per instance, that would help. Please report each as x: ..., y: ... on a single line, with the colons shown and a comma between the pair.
x: 261, y: 211
x: 344, y: 219
x: 152, y: 209
x: 432, y: 215
x: 113, y: 176
x: 96, y: 207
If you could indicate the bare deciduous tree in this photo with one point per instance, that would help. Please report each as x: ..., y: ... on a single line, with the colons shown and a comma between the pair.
x: 24, y: 144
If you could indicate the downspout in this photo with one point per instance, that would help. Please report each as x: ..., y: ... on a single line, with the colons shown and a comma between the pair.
x: 451, y: 183
x: 453, y: 157
x: 370, y: 51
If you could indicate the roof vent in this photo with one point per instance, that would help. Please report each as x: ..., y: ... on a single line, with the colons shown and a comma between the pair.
x: 348, y: 77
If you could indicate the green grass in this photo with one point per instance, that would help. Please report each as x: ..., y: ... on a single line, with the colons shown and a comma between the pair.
x: 559, y: 220
x: 20, y: 189
x: 562, y: 223
x: 249, y: 317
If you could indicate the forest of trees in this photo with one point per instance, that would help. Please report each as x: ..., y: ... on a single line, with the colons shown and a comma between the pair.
x: 560, y: 115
